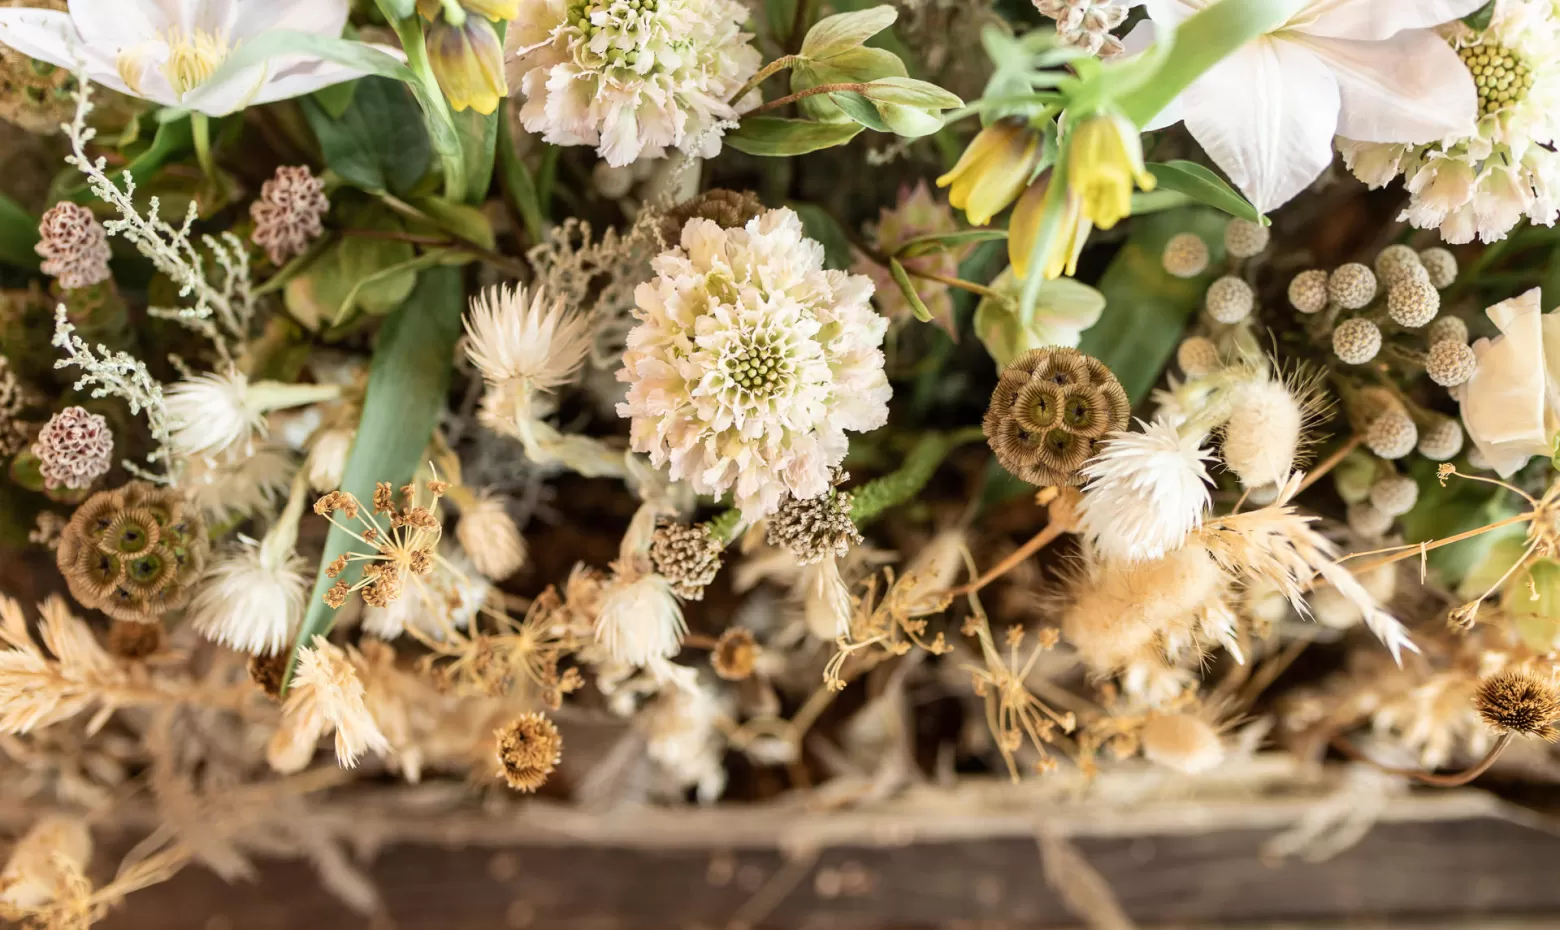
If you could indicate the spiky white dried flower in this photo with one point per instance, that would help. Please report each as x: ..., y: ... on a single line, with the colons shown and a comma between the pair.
x: 1146, y: 491
x: 640, y: 620
x: 326, y: 694
x: 522, y: 345
x: 212, y: 412
x: 252, y: 600
x: 750, y: 361
x: 490, y: 538
x: 632, y: 77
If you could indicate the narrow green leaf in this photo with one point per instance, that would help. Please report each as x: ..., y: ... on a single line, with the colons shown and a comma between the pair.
x: 1199, y: 183
x: 18, y: 235
x: 397, y: 9
x: 406, y: 270
x: 907, y: 287
x: 465, y: 221
x: 860, y: 109
x: 519, y: 184
x: 775, y: 136
x: 944, y: 242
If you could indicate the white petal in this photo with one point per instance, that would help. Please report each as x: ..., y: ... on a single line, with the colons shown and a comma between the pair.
x: 1171, y: 12
x: 323, y: 17
x: 113, y: 25
x: 1376, y: 19
x: 1266, y: 115
x: 46, y: 35
x: 1409, y: 88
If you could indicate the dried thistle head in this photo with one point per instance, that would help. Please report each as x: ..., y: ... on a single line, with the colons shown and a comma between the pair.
x: 133, y: 552
x: 815, y: 528
x: 735, y: 654
x: 1516, y: 701
x: 529, y: 748
x: 687, y: 556
x: 728, y: 208
x: 1048, y: 411
x: 268, y: 671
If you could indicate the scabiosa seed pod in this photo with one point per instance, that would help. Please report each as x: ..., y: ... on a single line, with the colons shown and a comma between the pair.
x: 1197, y: 356
x: 1397, y: 263
x: 1394, y: 495
x: 1245, y: 239
x: 1447, y: 328
x: 1368, y: 520
x: 1230, y: 299
x: 529, y: 748
x: 1352, y: 286
x: 1441, y: 266
x: 1049, y: 410
x: 1185, y: 255
x: 1392, y: 435
x: 74, y: 449
x: 1519, y: 702
x: 1413, y: 303
x: 1441, y: 440
x: 134, y: 552
x: 289, y: 212
x: 1356, y: 341
x: 1262, y: 434
x: 1450, y: 363
x: 73, y: 245
x: 735, y: 654
x: 1184, y: 742
x: 1308, y: 291
x: 730, y: 209
x: 687, y: 556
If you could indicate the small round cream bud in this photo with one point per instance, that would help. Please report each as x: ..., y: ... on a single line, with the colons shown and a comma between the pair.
x: 1447, y: 329
x: 1373, y: 401
x: 1243, y: 238
x: 1450, y: 363
x: 1183, y: 742
x: 1441, y: 440
x: 1394, y: 495
x: 1392, y: 435
x: 1413, y: 303
x: 1397, y: 263
x: 1356, y: 341
x: 1186, y: 255
x: 1197, y: 356
x: 1441, y: 264
x: 1367, y: 520
x: 1352, y: 286
x: 1230, y: 299
x: 1308, y: 291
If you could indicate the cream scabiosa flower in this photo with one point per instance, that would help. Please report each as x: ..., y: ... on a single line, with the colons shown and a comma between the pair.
x: 750, y: 362
x: 632, y: 77
x: 1370, y: 70
x: 166, y: 52
x: 1511, y: 405
x: 1145, y: 493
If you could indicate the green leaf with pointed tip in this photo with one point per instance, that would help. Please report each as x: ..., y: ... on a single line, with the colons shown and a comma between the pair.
x: 907, y: 287
x: 843, y: 32
x: 378, y: 143
x: 1201, y: 184
x: 775, y: 136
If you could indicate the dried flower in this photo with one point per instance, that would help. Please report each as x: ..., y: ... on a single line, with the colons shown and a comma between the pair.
x: 251, y: 600
x: 1245, y: 239
x: 403, y: 548
x: 1397, y: 264
x: 288, y: 214
x: 129, y: 639
x: 74, y: 449
x: 269, y: 671
x: 1517, y: 701
x: 1198, y: 357
x: 1308, y: 291
x: 1086, y: 24
x: 1447, y: 329
x: 529, y: 748
x: 815, y: 528
x: 1356, y: 341
x: 1185, y: 255
x: 327, y: 458
x: 212, y: 412
x: 1262, y: 434
x: 1230, y: 299
x: 1146, y: 491
x: 74, y: 246
x: 726, y: 208
x: 1413, y: 303
x: 640, y: 620
x: 134, y: 552
x: 688, y: 557
x: 734, y: 654
x: 1441, y: 265
x: 490, y: 538
x: 1184, y: 742
x: 523, y: 347
x: 1050, y: 410
x: 326, y: 695
x: 1442, y: 440
x: 1394, y: 495
x: 45, y: 864
x: 1451, y: 363
x: 1392, y: 435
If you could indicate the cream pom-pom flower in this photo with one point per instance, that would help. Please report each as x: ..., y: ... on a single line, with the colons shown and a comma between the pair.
x: 1146, y: 492
x: 750, y: 362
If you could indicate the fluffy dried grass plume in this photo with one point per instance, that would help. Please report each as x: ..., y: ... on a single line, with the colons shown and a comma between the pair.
x: 47, y: 865
x: 1268, y: 426
x: 490, y: 538
x: 1517, y: 701
x: 1050, y: 408
x: 529, y: 748
x: 326, y: 695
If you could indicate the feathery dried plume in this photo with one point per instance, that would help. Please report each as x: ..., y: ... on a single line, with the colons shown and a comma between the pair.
x: 529, y: 748
x: 1518, y: 701
x: 1050, y: 411
x: 74, y: 449
x: 1146, y: 492
x: 252, y: 600
x: 46, y: 866
x: 1184, y: 742
x: 326, y: 695
x: 289, y: 212
x: 688, y: 557
x: 489, y: 537
x: 73, y: 245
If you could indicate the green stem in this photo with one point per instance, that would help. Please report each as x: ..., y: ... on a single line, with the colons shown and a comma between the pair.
x: 857, y: 86
x: 723, y: 527
x: 764, y: 73
x: 877, y: 496
x: 519, y: 184
x: 200, y: 128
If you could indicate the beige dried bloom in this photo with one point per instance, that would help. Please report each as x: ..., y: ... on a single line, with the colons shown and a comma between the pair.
x: 74, y: 449
x: 39, y: 688
x: 818, y: 527
x: 730, y: 209
x: 74, y: 246
x: 687, y: 556
x: 1516, y: 701
x: 288, y: 214
x: 1308, y: 291
x: 46, y: 866
x: 1184, y: 742
x: 735, y: 654
x: 523, y: 344
x: 490, y: 538
x: 1013, y: 713
x: 405, y: 548
x: 326, y: 695
x: 529, y: 748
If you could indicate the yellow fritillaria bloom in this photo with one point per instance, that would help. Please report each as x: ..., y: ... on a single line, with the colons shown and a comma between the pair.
x: 1062, y: 258
x: 1104, y: 159
x: 468, y: 60
x: 993, y: 170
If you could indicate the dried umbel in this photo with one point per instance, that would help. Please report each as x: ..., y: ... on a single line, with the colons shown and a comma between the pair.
x: 1519, y: 702
x: 133, y: 552
x: 74, y: 449
x: 1050, y: 408
x: 815, y: 528
x: 687, y: 556
x: 289, y: 212
x: 529, y: 748
x: 730, y: 209
x: 73, y: 246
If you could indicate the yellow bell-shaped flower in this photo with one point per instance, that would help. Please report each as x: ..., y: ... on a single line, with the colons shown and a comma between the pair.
x: 1062, y: 256
x: 1104, y: 159
x: 468, y: 60
x: 993, y: 170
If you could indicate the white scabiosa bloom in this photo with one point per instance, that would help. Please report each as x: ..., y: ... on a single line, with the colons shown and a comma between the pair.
x: 252, y: 600
x: 523, y: 344
x: 640, y: 620
x: 632, y: 77
x: 1484, y: 181
x: 750, y: 362
x: 1145, y: 492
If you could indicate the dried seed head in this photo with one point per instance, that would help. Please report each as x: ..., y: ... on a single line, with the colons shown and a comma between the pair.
x: 1394, y: 495
x: 1198, y: 356
x: 529, y: 748
x: 1262, y: 434
x: 1441, y: 265
x: 1243, y: 238
x: 74, y: 449
x: 1398, y: 263
x: 289, y: 212
x: 816, y: 528
x: 1049, y: 409
x: 1450, y: 363
x: 133, y: 552
x: 1392, y: 435
x: 1184, y: 742
x: 686, y: 556
x: 1308, y: 291
x: 1518, y: 702
x: 730, y: 209
x: 1356, y: 341
x: 1447, y: 329
x: 1441, y: 440
x: 268, y: 671
x: 130, y: 639
x: 1230, y: 299
x: 73, y: 245
x: 1366, y: 520
x: 1185, y: 255
x: 735, y: 654
x: 490, y: 538
x: 1413, y: 303
x: 1352, y: 286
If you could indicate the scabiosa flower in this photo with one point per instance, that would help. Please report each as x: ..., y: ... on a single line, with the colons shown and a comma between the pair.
x: 1146, y: 491
x: 252, y: 600
x: 73, y: 245
x: 632, y: 77
x: 74, y: 449
x: 750, y: 361
x: 1483, y: 183
x: 523, y: 347
x: 916, y: 214
x: 287, y: 216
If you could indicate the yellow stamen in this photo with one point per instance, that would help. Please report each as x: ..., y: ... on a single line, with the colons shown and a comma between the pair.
x: 192, y: 58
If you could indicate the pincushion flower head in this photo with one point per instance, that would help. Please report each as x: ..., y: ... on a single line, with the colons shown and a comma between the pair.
x: 632, y: 77
x: 750, y: 362
x: 1484, y: 180
x: 1368, y: 70
x: 166, y: 52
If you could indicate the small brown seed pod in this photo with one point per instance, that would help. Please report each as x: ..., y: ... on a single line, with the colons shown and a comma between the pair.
x: 133, y: 552
x: 1049, y: 409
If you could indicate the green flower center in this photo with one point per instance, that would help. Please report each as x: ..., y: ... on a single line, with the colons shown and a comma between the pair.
x: 759, y: 368
x: 1499, y: 73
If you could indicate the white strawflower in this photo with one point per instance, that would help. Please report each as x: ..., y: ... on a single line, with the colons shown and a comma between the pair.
x: 632, y: 77
x: 640, y: 620
x: 750, y: 362
x: 212, y: 412
x: 1145, y: 492
x: 1484, y: 183
x: 523, y: 346
x: 252, y: 600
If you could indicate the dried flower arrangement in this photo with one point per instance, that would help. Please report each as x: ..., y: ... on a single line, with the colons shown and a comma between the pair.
x: 382, y: 446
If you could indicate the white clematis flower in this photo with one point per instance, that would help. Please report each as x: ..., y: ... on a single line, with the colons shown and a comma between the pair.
x: 165, y: 50
x: 1511, y: 405
x: 1368, y: 70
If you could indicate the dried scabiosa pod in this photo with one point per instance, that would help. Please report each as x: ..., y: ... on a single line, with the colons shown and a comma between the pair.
x: 735, y: 654
x: 727, y: 208
x: 529, y: 748
x: 1049, y: 409
x: 134, y: 552
x: 686, y: 556
x: 817, y: 527
x: 289, y: 212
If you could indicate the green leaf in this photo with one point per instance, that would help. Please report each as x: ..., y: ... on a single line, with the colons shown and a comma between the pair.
x: 821, y: 226
x: 336, y: 98
x: 519, y: 184
x: 378, y: 143
x: 407, y: 387
x: 857, y: 66
x: 465, y: 221
x: 907, y: 287
x: 18, y: 235
x: 1199, y: 183
x: 945, y: 242
x: 860, y: 109
x: 1457, y: 508
x: 911, y: 93
x: 1479, y: 20
x: 397, y: 9
x: 842, y: 32
x: 775, y: 136
x: 398, y: 280
x: 478, y: 142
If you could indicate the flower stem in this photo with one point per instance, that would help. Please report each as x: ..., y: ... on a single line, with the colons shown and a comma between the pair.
x: 1450, y: 780
x: 959, y: 283
x: 778, y: 102
x: 1331, y: 462
x: 764, y: 73
x: 200, y: 129
x: 893, y: 489
x: 1036, y: 542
